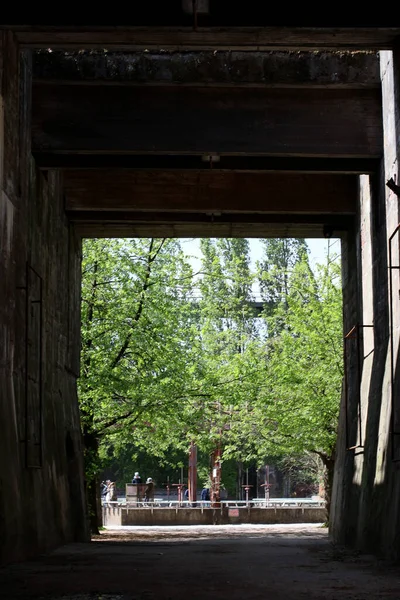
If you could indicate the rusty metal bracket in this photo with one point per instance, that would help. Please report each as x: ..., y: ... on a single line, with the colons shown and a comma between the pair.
x: 353, y: 334
x: 393, y: 431
x: 392, y: 185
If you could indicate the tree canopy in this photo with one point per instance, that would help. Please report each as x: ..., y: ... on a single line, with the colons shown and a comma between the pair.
x: 170, y: 356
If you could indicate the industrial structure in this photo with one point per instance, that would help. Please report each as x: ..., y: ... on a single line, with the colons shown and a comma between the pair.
x: 193, y: 119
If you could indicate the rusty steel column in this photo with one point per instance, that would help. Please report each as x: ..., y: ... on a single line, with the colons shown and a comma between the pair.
x: 216, y: 477
x: 192, y: 475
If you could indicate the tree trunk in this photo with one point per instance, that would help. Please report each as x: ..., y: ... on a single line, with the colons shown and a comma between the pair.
x: 92, y: 500
x: 92, y: 485
x: 329, y: 464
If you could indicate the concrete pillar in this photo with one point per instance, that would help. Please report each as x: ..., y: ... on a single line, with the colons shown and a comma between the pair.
x: 366, y: 499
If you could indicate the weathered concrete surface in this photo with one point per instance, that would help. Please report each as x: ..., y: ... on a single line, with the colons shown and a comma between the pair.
x: 119, y: 515
x: 41, y: 499
x: 41, y: 476
x: 366, y: 508
x: 348, y: 69
x: 228, y: 563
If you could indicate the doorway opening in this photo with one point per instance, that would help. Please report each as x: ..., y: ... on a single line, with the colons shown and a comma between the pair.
x: 210, y: 364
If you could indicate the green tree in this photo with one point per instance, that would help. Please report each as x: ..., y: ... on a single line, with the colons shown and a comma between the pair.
x: 274, y: 273
x: 308, y: 364
x: 136, y: 347
x: 228, y: 332
x: 120, y: 464
x: 162, y: 366
x: 296, y: 408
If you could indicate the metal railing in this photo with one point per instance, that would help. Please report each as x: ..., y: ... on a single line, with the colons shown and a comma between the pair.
x: 201, y: 504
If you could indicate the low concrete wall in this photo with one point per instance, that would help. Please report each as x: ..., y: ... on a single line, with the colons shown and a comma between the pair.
x: 170, y: 516
x: 112, y: 515
x: 277, y: 515
x: 120, y: 515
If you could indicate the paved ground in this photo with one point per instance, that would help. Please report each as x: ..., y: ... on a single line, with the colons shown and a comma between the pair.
x: 292, y: 562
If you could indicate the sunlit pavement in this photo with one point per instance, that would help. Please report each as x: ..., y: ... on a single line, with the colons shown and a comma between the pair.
x: 181, y: 532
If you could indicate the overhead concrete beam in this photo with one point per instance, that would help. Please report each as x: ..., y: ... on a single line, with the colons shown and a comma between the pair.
x: 280, y: 227
x: 70, y: 119
x: 208, y: 192
x: 192, y: 162
x: 254, y: 37
x: 208, y: 204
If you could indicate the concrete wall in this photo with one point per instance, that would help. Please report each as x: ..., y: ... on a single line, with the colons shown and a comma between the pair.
x: 366, y: 498
x: 117, y: 515
x: 41, y: 477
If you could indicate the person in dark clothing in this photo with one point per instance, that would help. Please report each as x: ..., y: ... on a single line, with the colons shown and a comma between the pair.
x: 205, y: 495
x: 103, y: 488
x: 149, y: 490
x: 186, y: 497
x: 137, y: 478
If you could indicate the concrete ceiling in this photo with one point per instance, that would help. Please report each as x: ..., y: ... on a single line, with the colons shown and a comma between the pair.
x: 131, y: 133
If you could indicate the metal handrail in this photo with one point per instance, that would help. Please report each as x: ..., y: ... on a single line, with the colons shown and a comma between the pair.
x: 258, y: 502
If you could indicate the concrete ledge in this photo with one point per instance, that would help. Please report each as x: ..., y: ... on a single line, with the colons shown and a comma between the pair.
x: 120, y: 515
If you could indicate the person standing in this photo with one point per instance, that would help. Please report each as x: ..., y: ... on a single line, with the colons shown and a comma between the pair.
x: 110, y: 493
x: 149, y: 490
x: 103, y: 489
x: 137, y: 478
x: 205, y: 495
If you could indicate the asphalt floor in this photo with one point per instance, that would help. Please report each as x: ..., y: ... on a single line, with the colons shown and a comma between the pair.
x: 231, y: 562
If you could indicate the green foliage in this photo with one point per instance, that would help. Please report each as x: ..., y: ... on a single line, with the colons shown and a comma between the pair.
x: 304, y: 469
x: 137, y: 325
x: 306, y: 362
x: 121, y: 466
x: 168, y: 358
x: 293, y: 401
x: 274, y: 270
x: 227, y: 334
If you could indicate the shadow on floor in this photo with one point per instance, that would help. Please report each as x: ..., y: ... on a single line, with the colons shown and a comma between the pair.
x: 274, y: 562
